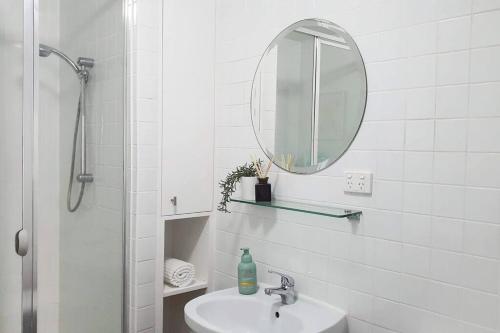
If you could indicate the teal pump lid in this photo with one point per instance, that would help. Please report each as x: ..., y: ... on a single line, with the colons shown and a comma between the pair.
x: 246, y: 257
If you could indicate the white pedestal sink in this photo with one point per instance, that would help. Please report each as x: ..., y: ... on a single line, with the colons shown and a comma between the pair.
x: 227, y: 311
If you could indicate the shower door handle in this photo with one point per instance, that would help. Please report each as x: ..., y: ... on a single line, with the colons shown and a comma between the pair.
x: 22, y: 242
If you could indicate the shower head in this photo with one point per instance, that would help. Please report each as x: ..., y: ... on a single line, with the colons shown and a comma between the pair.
x: 45, y: 51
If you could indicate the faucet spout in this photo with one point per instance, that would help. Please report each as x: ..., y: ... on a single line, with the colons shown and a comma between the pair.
x: 286, y: 291
x: 287, y: 295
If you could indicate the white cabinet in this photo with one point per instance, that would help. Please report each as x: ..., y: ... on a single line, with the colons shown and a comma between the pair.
x: 188, y: 107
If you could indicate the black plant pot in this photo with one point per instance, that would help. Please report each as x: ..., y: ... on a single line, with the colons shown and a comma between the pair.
x: 263, y: 190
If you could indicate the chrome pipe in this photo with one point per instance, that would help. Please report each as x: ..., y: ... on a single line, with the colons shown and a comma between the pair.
x: 45, y: 51
x: 83, y: 177
x: 83, y: 146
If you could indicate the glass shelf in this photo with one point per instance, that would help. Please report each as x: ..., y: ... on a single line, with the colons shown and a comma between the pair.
x: 306, y: 208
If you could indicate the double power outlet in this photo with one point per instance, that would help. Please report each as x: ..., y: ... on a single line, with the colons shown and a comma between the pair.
x: 358, y: 182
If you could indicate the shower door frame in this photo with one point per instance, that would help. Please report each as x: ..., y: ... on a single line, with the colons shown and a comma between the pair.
x: 30, y: 110
x: 28, y: 113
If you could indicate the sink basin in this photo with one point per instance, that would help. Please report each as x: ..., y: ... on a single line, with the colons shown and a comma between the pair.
x: 227, y: 311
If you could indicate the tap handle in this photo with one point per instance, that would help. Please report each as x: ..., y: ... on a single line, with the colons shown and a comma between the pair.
x: 286, y: 280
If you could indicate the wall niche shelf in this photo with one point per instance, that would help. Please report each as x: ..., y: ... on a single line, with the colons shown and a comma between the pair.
x: 306, y: 208
x: 195, y: 285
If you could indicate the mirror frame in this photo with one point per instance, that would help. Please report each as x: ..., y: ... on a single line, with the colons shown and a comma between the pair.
x: 284, y: 32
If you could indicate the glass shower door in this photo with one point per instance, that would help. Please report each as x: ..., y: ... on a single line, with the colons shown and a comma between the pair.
x: 16, y: 110
x: 72, y: 261
x: 80, y: 251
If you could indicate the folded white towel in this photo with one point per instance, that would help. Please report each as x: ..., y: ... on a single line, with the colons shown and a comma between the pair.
x: 178, y: 273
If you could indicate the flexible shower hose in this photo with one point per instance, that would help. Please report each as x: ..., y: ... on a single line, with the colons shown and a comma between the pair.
x: 71, y: 208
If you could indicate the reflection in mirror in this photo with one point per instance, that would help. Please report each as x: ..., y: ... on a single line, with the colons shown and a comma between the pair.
x: 308, y: 96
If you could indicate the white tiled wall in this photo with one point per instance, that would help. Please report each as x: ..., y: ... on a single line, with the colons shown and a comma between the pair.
x: 146, y: 233
x: 425, y: 255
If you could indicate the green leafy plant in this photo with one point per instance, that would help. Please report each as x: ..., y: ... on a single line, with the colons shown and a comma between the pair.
x: 228, y: 185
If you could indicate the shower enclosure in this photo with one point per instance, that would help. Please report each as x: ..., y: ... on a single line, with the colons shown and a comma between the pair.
x: 62, y: 153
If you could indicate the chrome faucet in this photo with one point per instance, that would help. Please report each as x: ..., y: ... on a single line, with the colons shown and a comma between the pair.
x: 286, y: 291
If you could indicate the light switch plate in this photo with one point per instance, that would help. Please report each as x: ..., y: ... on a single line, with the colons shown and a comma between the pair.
x: 358, y: 182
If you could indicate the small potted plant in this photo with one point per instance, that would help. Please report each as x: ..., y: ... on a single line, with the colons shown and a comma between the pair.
x: 242, y: 177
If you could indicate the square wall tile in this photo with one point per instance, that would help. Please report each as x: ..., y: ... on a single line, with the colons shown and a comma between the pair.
x: 416, y: 229
x: 451, y: 135
x: 145, y: 318
x: 444, y: 298
x: 452, y: 101
x: 414, y: 290
x: 482, y: 239
x: 145, y: 271
x: 423, y: 39
x: 421, y: 71
x: 387, y: 284
x: 390, y: 165
x: 387, y: 255
x: 390, y: 135
x: 484, y: 29
x: 420, y: 103
x: 360, y: 277
x: 383, y: 224
x: 360, y: 305
x: 417, y: 198
x: 419, y: 135
x: 145, y: 295
x: 359, y: 326
x: 480, y: 274
x: 479, y: 170
x: 449, y: 168
x: 446, y: 266
x: 386, y: 313
x: 447, y: 234
x: 392, y: 44
x: 479, y: 308
x: 145, y: 202
x: 145, y: 249
x: 448, y: 201
x: 388, y: 75
x: 452, y: 8
x: 482, y: 204
x: 454, y: 34
x: 418, y: 166
x: 453, y: 68
x: 483, y: 5
x: 485, y: 100
x: 145, y: 226
x: 416, y: 260
x: 484, y: 135
x: 339, y: 244
x: 385, y: 106
x: 485, y: 66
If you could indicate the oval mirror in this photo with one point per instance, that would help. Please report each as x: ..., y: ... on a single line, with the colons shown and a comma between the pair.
x: 308, y: 96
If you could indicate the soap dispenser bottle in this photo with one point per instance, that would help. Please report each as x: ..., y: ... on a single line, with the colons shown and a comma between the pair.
x: 247, y: 274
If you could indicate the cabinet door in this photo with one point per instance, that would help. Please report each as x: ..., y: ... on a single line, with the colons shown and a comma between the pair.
x: 188, y: 106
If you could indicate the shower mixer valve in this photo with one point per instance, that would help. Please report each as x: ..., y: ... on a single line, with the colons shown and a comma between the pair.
x: 85, y: 62
x: 85, y: 178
